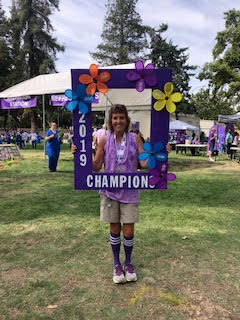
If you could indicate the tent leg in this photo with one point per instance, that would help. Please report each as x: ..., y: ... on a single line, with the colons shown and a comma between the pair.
x: 44, y: 127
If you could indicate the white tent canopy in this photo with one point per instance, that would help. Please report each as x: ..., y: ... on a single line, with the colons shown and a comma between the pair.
x: 180, y: 125
x: 48, y: 83
x: 43, y: 84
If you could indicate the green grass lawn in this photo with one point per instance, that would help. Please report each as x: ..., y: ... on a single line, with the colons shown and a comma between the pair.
x: 56, y: 262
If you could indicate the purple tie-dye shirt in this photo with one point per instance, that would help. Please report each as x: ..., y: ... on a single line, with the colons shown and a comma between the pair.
x: 129, y: 164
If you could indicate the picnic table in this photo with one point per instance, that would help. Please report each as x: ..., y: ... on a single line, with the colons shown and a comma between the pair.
x: 12, y: 151
x: 237, y: 149
x: 184, y: 147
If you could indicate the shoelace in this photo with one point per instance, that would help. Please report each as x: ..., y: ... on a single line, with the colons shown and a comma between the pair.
x: 118, y: 270
x: 130, y: 268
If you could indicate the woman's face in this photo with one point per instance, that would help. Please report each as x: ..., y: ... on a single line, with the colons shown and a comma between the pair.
x: 54, y: 126
x: 119, y: 122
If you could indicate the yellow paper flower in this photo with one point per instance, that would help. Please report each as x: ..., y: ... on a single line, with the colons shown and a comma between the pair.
x: 167, y: 98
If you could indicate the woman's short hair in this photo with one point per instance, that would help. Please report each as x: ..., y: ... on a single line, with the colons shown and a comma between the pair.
x: 118, y: 108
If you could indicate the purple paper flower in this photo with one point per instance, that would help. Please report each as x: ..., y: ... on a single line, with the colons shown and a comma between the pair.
x: 152, y: 153
x: 159, y: 176
x: 143, y: 75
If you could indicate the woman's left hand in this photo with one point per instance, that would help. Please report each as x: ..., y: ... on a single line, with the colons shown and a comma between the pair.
x: 168, y: 147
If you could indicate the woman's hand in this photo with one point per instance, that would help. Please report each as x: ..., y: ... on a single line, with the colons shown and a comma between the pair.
x: 74, y: 148
x: 168, y: 147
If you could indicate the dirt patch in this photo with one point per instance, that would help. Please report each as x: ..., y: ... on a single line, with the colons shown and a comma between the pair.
x: 203, y: 309
x: 17, y: 275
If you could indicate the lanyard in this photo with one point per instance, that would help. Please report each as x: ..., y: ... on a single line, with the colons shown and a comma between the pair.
x: 120, y: 151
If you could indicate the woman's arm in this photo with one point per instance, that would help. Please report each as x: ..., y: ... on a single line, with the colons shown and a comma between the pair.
x: 143, y: 163
x: 99, y: 157
x: 49, y: 137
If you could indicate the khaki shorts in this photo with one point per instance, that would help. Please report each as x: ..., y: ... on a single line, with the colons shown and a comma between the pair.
x: 113, y: 211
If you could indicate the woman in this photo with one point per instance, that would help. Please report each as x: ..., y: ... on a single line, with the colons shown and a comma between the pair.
x: 234, y: 144
x: 118, y: 152
x: 211, y: 143
x: 52, y: 147
x: 229, y: 139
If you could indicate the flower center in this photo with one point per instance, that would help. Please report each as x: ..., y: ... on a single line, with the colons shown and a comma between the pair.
x: 152, y: 153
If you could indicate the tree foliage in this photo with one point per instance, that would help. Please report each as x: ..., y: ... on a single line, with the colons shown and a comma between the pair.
x: 209, y: 104
x: 33, y: 48
x: 123, y: 35
x: 164, y: 54
x: 5, y: 57
x: 223, y: 72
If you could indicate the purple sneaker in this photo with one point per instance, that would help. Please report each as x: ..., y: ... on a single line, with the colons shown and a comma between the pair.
x: 130, y: 272
x: 118, y: 274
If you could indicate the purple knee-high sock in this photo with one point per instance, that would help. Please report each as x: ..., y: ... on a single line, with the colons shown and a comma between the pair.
x: 128, y: 246
x: 115, y: 242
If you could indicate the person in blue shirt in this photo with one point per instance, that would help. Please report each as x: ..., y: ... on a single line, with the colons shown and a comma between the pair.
x: 52, y: 147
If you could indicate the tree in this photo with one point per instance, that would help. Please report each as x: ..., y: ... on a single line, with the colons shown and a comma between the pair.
x: 164, y: 54
x: 123, y: 34
x: 209, y: 104
x: 33, y: 46
x: 223, y: 72
x: 5, y: 58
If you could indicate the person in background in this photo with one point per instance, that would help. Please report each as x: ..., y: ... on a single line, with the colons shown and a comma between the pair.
x: 195, y: 151
x: 229, y: 139
x: 34, y: 140
x: 234, y: 144
x: 70, y: 139
x: 100, y: 133
x: 19, y: 139
x: 52, y: 147
x: 8, y: 137
x: 24, y: 138
x: 138, y: 133
x: 211, y: 143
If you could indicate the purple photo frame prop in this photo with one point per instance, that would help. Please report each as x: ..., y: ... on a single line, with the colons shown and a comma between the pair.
x: 84, y: 177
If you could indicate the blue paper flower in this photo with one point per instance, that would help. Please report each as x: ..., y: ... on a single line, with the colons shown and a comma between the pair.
x: 152, y: 154
x: 79, y: 98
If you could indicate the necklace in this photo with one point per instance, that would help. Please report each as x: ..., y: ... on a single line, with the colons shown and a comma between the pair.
x: 120, y: 151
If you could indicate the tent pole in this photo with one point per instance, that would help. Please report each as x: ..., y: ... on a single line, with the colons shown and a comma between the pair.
x: 44, y: 127
x: 106, y: 109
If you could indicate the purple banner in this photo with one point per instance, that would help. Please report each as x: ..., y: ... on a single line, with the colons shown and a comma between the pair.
x: 19, y: 103
x: 58, y: 100
x: 96, y: 98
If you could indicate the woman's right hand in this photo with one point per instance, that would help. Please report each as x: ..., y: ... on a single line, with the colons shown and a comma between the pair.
x: 74, y: 148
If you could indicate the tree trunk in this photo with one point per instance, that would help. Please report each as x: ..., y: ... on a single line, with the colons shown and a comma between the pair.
x: 34, y: 122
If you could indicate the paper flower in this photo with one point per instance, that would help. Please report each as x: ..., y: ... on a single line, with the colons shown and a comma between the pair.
x: 167, y: 98
x: 79, y: 98
x: 95, y: 80
x: 152, y: 154
x: 159, y: 176
x: 142, y: 75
